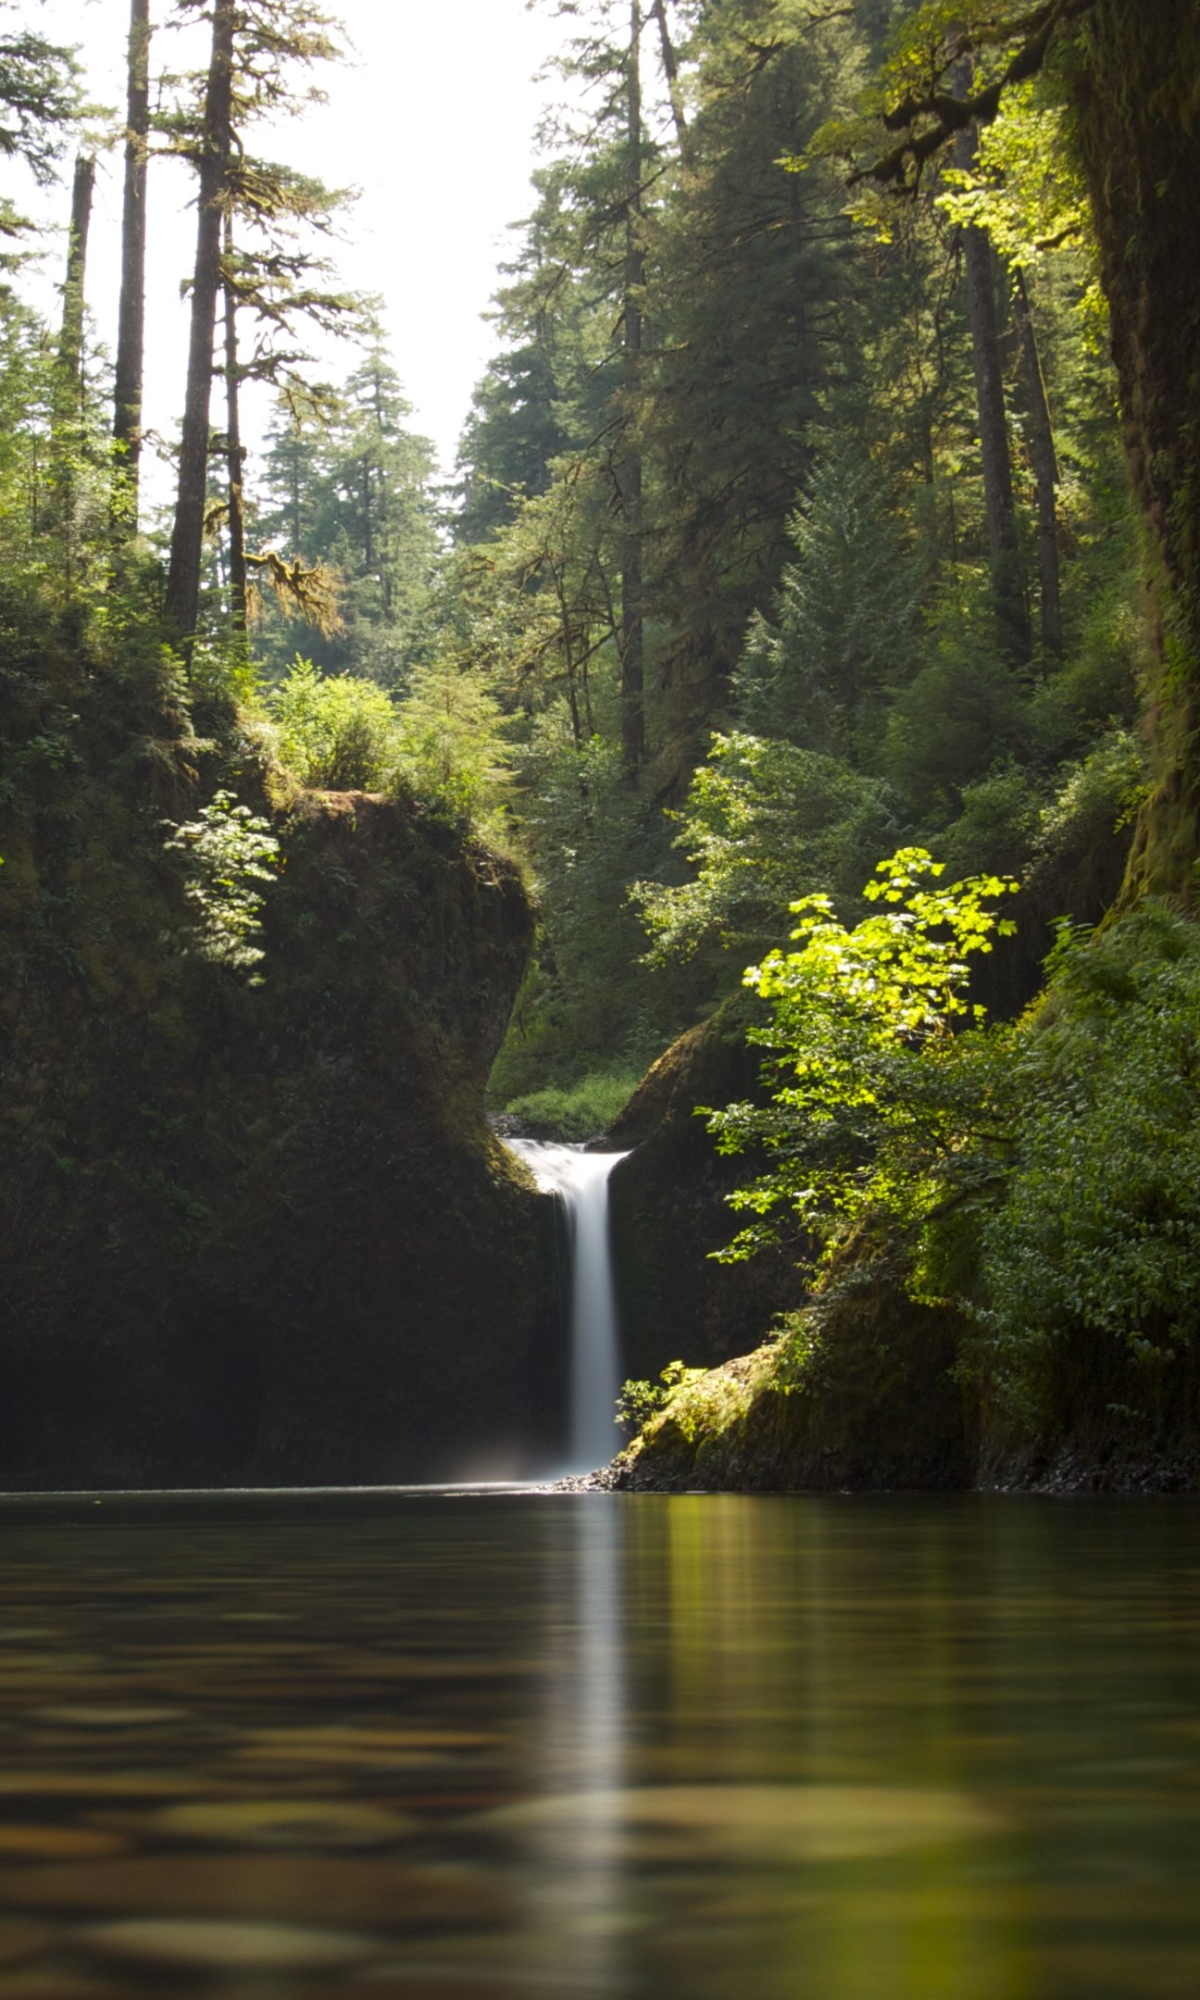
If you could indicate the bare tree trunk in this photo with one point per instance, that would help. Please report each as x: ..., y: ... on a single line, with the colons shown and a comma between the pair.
x: 131, y: 320
x: 670, y: 63
x: 70, y: 339
x: 235, y: 457
x: 368, y: 514
x: 1045, y: 467
x: 67, y: 425
x: 633, y: 713
x: 1008, y: 591
x: 187, y: 540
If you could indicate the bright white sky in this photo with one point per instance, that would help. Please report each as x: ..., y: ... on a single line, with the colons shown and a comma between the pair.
x: 434, y: 122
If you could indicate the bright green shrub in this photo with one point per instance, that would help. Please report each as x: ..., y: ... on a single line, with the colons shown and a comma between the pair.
x: 227, y: 851
x: 763, y: 818
x: 337, y: 734
x: 451, y: 743
x: 879, y: 1108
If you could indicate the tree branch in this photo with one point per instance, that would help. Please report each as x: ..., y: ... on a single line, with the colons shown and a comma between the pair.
x: 951, y: 115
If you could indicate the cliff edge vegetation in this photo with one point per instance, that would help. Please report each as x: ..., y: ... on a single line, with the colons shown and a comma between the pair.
x: 253, y: 1225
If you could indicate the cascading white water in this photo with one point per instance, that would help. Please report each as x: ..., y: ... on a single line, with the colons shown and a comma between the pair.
x: 582, y: 1181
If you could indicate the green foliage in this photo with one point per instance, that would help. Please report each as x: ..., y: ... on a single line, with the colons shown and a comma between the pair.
x: 1025, y: 186
x: 577, y: 1112
x: 998, y: 824
x: 450, y: 739
x: 638, y: 1402
x: 335, y: 735
x: 588, y: 1002
x: 1099, y: 1236
x: 1098, y: 795
x: 842, y: 637
x: 39, y: 101
x: 878, y: 1107
x: 227, y: 850
x: 962, y: 712
x: 347, y: 484
x: 763, y: 817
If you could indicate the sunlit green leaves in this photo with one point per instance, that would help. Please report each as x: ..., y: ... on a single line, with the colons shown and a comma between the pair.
x: 227, y: 851
x: 762, y: 818
x: 877, y: 1107
x: 336, y: 733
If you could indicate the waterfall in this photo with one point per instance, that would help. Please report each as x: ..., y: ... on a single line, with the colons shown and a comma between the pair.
x: 581, y: 1180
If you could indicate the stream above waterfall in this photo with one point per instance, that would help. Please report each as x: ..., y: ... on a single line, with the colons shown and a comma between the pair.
x: 580, y: 1180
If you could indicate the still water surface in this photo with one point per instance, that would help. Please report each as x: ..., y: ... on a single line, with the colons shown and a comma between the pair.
x: 532, y: 1747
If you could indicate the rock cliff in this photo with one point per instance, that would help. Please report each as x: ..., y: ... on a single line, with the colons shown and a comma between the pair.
x: 248, y: 1232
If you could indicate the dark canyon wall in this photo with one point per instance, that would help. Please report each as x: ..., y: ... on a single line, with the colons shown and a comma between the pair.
x: 255, y: 1233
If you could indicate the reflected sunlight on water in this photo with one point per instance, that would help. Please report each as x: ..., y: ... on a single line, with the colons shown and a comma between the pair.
x: 579, y: 1745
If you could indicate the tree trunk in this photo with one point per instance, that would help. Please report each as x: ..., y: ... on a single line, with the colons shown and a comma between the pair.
x: 1045, y: 468
x: 633, y: 713
x: 187, y: 540
x: 67, y: 426
x: 235, y: 457
x: 70, y: 340
x: 297, y: 540
x: 670, y: 63
x: 368, y: 501
x: 1136, y: 83
x: 131, y: 320
x: 1012, y: 618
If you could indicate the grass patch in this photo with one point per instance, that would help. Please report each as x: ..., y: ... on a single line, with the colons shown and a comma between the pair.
x: 578, y: 1112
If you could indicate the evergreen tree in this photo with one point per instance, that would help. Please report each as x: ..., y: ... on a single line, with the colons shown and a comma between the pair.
x: 261, y: 55
x: 842, y: 640
x: 349, y: 487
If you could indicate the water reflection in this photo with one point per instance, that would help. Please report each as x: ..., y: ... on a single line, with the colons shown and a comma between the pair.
x: 602, y: 1745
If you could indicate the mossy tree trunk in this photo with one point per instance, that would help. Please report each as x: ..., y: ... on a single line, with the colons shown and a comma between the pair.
x: 1136, y: 84
x: 1045, y: 467
x: 633, y: 716
x: 1008, y: 583
x: 235, y: 454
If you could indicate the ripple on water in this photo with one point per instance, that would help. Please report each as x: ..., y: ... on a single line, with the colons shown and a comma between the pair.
x: 761, y: 1823
x: 284, y: 1823
x: 216, y: 1945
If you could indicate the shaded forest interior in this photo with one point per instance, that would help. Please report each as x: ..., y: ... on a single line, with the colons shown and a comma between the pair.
x: 824, y: 533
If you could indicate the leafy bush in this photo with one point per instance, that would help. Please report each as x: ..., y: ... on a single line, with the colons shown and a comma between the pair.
x: 337, y: 734
x: 1100, y: 1233
x: 763, y: 818
x: 878, y: 1108
x: 997, y: 826
x: 1095, y: 796
x: 450, y: 742
x: 640, y: 1402
x: 963, y: 711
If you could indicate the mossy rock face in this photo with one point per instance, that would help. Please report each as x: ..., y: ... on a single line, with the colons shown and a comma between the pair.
x: 872, y: 1406
x: 669, y: 1210
x: 254, y: 1233
x: 1103, y: 1420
